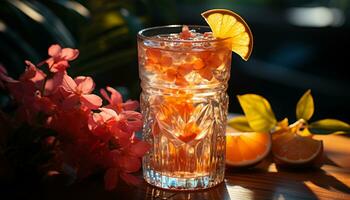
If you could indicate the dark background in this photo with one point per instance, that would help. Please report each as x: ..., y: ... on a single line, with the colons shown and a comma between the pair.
x: 298, y: 44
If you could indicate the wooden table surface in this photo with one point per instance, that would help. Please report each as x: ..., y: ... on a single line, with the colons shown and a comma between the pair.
x: 265, y: 181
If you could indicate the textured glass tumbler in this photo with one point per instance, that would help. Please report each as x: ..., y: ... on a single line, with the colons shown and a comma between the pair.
x: 184, y: 104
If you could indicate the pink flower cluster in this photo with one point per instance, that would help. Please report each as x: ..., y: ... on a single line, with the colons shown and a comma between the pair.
x: 90, y: 136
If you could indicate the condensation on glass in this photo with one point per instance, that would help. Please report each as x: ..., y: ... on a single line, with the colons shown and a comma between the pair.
x: 184, y: 104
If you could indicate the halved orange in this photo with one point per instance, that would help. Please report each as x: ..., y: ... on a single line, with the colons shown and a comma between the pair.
x: 227, y: 24
x: 292, y: 149
x: 246, y: 148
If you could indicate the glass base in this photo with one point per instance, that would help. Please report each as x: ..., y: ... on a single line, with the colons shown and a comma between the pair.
x: 180, y: 183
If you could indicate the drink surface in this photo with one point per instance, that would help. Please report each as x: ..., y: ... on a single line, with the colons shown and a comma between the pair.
x: 184, y: 103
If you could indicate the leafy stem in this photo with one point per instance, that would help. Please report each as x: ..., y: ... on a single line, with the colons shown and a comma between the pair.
x: 260, y: 117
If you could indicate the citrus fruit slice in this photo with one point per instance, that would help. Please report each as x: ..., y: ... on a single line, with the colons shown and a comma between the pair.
x: 227, y: 24
x: 293, y: 149
x: 246, y: 148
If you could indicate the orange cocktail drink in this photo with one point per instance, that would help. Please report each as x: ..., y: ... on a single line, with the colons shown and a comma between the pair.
x: 184, y: 73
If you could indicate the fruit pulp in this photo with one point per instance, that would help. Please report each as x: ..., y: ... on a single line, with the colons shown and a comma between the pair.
x: 184, y: 79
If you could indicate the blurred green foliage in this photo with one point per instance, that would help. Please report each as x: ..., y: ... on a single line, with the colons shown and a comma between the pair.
x: 104, y: 31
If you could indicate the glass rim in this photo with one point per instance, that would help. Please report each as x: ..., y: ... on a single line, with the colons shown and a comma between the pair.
x: 141, y: 35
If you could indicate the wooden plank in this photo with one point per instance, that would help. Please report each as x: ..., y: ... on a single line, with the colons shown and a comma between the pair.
x: 265, y: 181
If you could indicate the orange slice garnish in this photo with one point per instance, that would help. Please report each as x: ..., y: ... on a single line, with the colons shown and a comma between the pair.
x: 227, y: 24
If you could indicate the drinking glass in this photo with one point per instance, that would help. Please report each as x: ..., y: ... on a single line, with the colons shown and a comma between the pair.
x: 184, y: 104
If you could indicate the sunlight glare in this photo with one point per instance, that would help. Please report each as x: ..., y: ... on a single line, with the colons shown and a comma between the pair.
x: 78, y: 8
x: 237, y: 191
x: 30, y: 12
x: 315, y: 16
x: 2, y: 27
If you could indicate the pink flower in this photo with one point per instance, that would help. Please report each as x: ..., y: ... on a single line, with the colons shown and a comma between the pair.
x: 125, y: 162
x: 53, y: 84
x: 130, y: 121
x: 86, y: 140
x: 139, y: 148
x: 128, y: 160
x: 32, y: 73
x: 108, y: 123
x: 111, y: 178
x: 43, y: 104
x: 78, y: 92
x: 60, y: 57
x: 116, y: 101
x: 29, y: 82
x: 100, y: 123
x: 26, y: 92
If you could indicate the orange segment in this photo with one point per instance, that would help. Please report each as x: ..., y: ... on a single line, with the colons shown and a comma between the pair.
x: 165, y: 61
x: 246, y: 148
x: 292, y: 148
x: 227, y: 24
x: 198, y: 64
x: 184, y: 69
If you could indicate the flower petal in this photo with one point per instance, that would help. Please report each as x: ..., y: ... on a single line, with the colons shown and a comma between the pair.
x: 131, y: 105
x: 140, y: 148
x: 107, y: 113
x: 85, y: 84
x: 129, y: 163
x: 132, y: 115
x: 122, y: 136
x: 70, y: 102
x: 95, y: 119
x: 111, y: 178
x: 105, y: 95
x: 50, y: 61
x: 116, y: 97
x: 133, y: 120
x: 68, y: 83
x: 44, y: 104
x: 54, y: 83
x: 61, y: 65
x: 29, y: 72
x: 54, y: 50
x: 32, y: 73
x: 130, y: 179
x: 69, y: 54
x: 91, y: 101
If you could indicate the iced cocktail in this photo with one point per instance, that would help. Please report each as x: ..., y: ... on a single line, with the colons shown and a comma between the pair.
x: 184, y: 73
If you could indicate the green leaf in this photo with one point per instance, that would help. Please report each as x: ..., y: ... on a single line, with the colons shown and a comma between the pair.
x: 240, y: 123
x: 42, y: 15
x: 258, y: 112
x: 305, y: 106
x: 329, y: 126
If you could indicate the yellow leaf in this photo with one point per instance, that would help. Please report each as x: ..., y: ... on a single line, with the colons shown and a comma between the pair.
x: 283, y: 123
x: 305, y: 106
x: 258, y: 112
x: 305, y: 133
x: 329, y: 126
x: 240, y: 123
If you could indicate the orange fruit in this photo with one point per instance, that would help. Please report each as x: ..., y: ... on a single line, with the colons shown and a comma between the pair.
x: 227, y: 24
x: 246, y: 148
x: 292, y: 149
